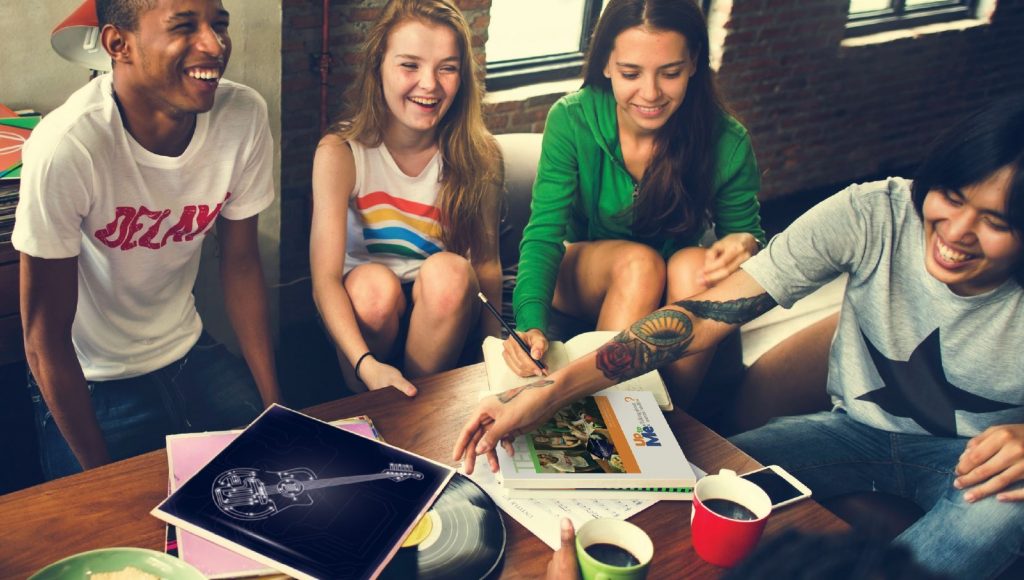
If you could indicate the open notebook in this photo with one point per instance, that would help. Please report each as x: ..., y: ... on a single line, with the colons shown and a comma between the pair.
x: 500, y: 377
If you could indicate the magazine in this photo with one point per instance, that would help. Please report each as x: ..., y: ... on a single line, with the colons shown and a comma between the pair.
x: 609, y: 440
x: 306, y: 498
x: 500, y: 377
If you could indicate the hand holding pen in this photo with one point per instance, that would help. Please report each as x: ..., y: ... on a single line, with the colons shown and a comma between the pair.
x: 521, y: 357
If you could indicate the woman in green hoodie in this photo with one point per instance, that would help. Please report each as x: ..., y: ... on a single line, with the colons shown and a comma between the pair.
x: 635, y: 168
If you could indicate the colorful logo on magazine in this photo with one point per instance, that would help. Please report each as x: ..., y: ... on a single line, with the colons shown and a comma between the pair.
x: 252, y: 494
x: 645, y: 437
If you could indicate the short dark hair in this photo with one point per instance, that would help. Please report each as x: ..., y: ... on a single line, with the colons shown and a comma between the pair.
x: 123, y: 14
x: 972, y: 150
x: 799, y: 555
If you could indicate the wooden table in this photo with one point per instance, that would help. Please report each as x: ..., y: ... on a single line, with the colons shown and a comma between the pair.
x: 109, y: 506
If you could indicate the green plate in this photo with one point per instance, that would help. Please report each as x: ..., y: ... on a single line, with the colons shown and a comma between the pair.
x: 81, y: 566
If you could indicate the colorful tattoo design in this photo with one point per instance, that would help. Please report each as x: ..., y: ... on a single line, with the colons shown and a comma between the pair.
x: 510, y: 394
x: 665, y: 335
x: 738, y: 311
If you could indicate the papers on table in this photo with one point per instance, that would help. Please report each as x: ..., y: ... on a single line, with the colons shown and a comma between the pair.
x: 542, y: 516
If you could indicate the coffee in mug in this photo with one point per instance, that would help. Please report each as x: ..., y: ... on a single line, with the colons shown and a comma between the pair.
x: 730, y: 509
x: 610, y: 549
x: 612, y: 555
x: 727, y: 518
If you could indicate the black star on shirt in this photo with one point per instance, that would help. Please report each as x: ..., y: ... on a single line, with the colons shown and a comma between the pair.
x: 918, y: 389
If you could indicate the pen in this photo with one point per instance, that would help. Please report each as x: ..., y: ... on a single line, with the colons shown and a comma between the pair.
x: 510, y: 331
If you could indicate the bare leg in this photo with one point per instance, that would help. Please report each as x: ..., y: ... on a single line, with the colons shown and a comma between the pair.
x: 378, y: 303
x: 612, y: 282
x: 685, y: 376
x: 443, y: 312
x: 789, y: 379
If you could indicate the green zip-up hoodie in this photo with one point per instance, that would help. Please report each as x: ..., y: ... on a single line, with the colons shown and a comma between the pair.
x: 583, y: 188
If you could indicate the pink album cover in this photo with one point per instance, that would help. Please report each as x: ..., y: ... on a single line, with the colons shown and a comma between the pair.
x: 187, y: 453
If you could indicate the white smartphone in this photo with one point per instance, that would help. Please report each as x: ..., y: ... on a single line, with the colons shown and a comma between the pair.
x: 782, y: 488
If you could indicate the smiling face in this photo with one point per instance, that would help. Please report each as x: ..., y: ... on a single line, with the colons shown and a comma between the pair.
x: 649, y: 71
x: 969, y: 245
x: 178, y: 55
x: 420, y: 75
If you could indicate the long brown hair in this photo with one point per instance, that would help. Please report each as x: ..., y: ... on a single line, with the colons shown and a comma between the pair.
x: 674, y: 197
x: 471, y: 161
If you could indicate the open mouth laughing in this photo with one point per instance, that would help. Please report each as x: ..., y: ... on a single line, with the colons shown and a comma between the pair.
x: 652, y: 111
x: 948, y: 256
x: 207, y: 74
x: 426, y: 102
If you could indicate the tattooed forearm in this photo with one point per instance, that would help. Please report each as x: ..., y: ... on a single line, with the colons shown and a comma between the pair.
x: 665, y: 335
x: 738, y: 311
x: 651, y: 342
x: 506, y: 396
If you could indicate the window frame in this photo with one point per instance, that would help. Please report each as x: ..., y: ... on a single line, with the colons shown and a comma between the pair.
x: 507, y: 74
x: 898, y: 16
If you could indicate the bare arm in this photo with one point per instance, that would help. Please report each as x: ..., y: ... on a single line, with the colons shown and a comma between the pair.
x: 245, y: 296
x: 678, y: 330
x: 49, y: 299
x: 334, y: 176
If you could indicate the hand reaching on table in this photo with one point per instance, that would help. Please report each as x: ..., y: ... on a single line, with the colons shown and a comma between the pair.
x: 377, y: 375
x: 991, y: 462
x: 563, y: 564
x: 501, y: 418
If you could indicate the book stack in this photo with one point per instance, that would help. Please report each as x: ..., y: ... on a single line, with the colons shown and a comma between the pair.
x: 613, y: 445
x: 294, y: 495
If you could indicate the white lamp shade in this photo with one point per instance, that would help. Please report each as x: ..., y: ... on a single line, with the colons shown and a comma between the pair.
x: 77, y: 38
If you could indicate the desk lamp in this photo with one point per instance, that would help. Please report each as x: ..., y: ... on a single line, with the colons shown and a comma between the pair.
x: 77, y: 38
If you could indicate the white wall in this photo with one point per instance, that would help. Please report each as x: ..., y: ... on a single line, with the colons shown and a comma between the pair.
x: 33, y: 76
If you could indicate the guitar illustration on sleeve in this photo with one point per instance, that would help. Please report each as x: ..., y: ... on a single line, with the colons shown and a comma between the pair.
x: 252, y: 494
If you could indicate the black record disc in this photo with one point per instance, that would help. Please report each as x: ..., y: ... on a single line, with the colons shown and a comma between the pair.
x: 462, y: 538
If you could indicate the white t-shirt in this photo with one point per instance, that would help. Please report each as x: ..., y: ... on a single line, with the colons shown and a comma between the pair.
x: 137, y: 220
x: 393, y: 218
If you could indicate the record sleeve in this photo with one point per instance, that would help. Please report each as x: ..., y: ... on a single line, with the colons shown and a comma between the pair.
x: 306, y: 498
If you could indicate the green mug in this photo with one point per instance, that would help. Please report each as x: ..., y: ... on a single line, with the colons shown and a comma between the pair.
x: 610, y: 549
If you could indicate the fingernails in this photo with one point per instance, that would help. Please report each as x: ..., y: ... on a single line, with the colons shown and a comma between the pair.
x: 958, y: 484
x: 969, y: 497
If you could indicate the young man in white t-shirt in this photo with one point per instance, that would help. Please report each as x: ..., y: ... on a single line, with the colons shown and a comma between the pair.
x: 120, y: 186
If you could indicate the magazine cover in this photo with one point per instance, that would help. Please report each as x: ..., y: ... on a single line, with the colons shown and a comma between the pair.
x: 612, y: 440
x: 187, y: 453
x: 307, y: 498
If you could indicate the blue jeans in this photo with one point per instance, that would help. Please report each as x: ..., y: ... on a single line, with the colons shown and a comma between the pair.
x: 208, y: 389
x: 834, y: 454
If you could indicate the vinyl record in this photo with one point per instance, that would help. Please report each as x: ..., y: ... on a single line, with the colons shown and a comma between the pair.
x: 461, y: 537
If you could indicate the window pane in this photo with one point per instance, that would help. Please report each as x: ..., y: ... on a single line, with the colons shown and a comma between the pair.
x: 924, y: 2
x: 857, y: 6
x: 517, y: 30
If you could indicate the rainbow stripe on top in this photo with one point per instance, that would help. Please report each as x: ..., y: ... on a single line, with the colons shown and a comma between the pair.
x: 396, y: 226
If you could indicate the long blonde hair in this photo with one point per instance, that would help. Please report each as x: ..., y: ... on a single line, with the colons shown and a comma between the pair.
x: 471, y: 161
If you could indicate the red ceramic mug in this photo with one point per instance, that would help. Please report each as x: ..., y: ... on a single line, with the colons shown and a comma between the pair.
x: 727, y: 518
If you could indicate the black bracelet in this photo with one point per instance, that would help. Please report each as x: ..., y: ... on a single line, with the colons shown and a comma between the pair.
x: 359, y: 362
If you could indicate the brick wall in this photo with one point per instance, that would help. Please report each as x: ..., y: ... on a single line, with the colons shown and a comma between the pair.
x: 821, y: 110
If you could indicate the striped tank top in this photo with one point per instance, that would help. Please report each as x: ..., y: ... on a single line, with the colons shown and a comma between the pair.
x: 393, y: 218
